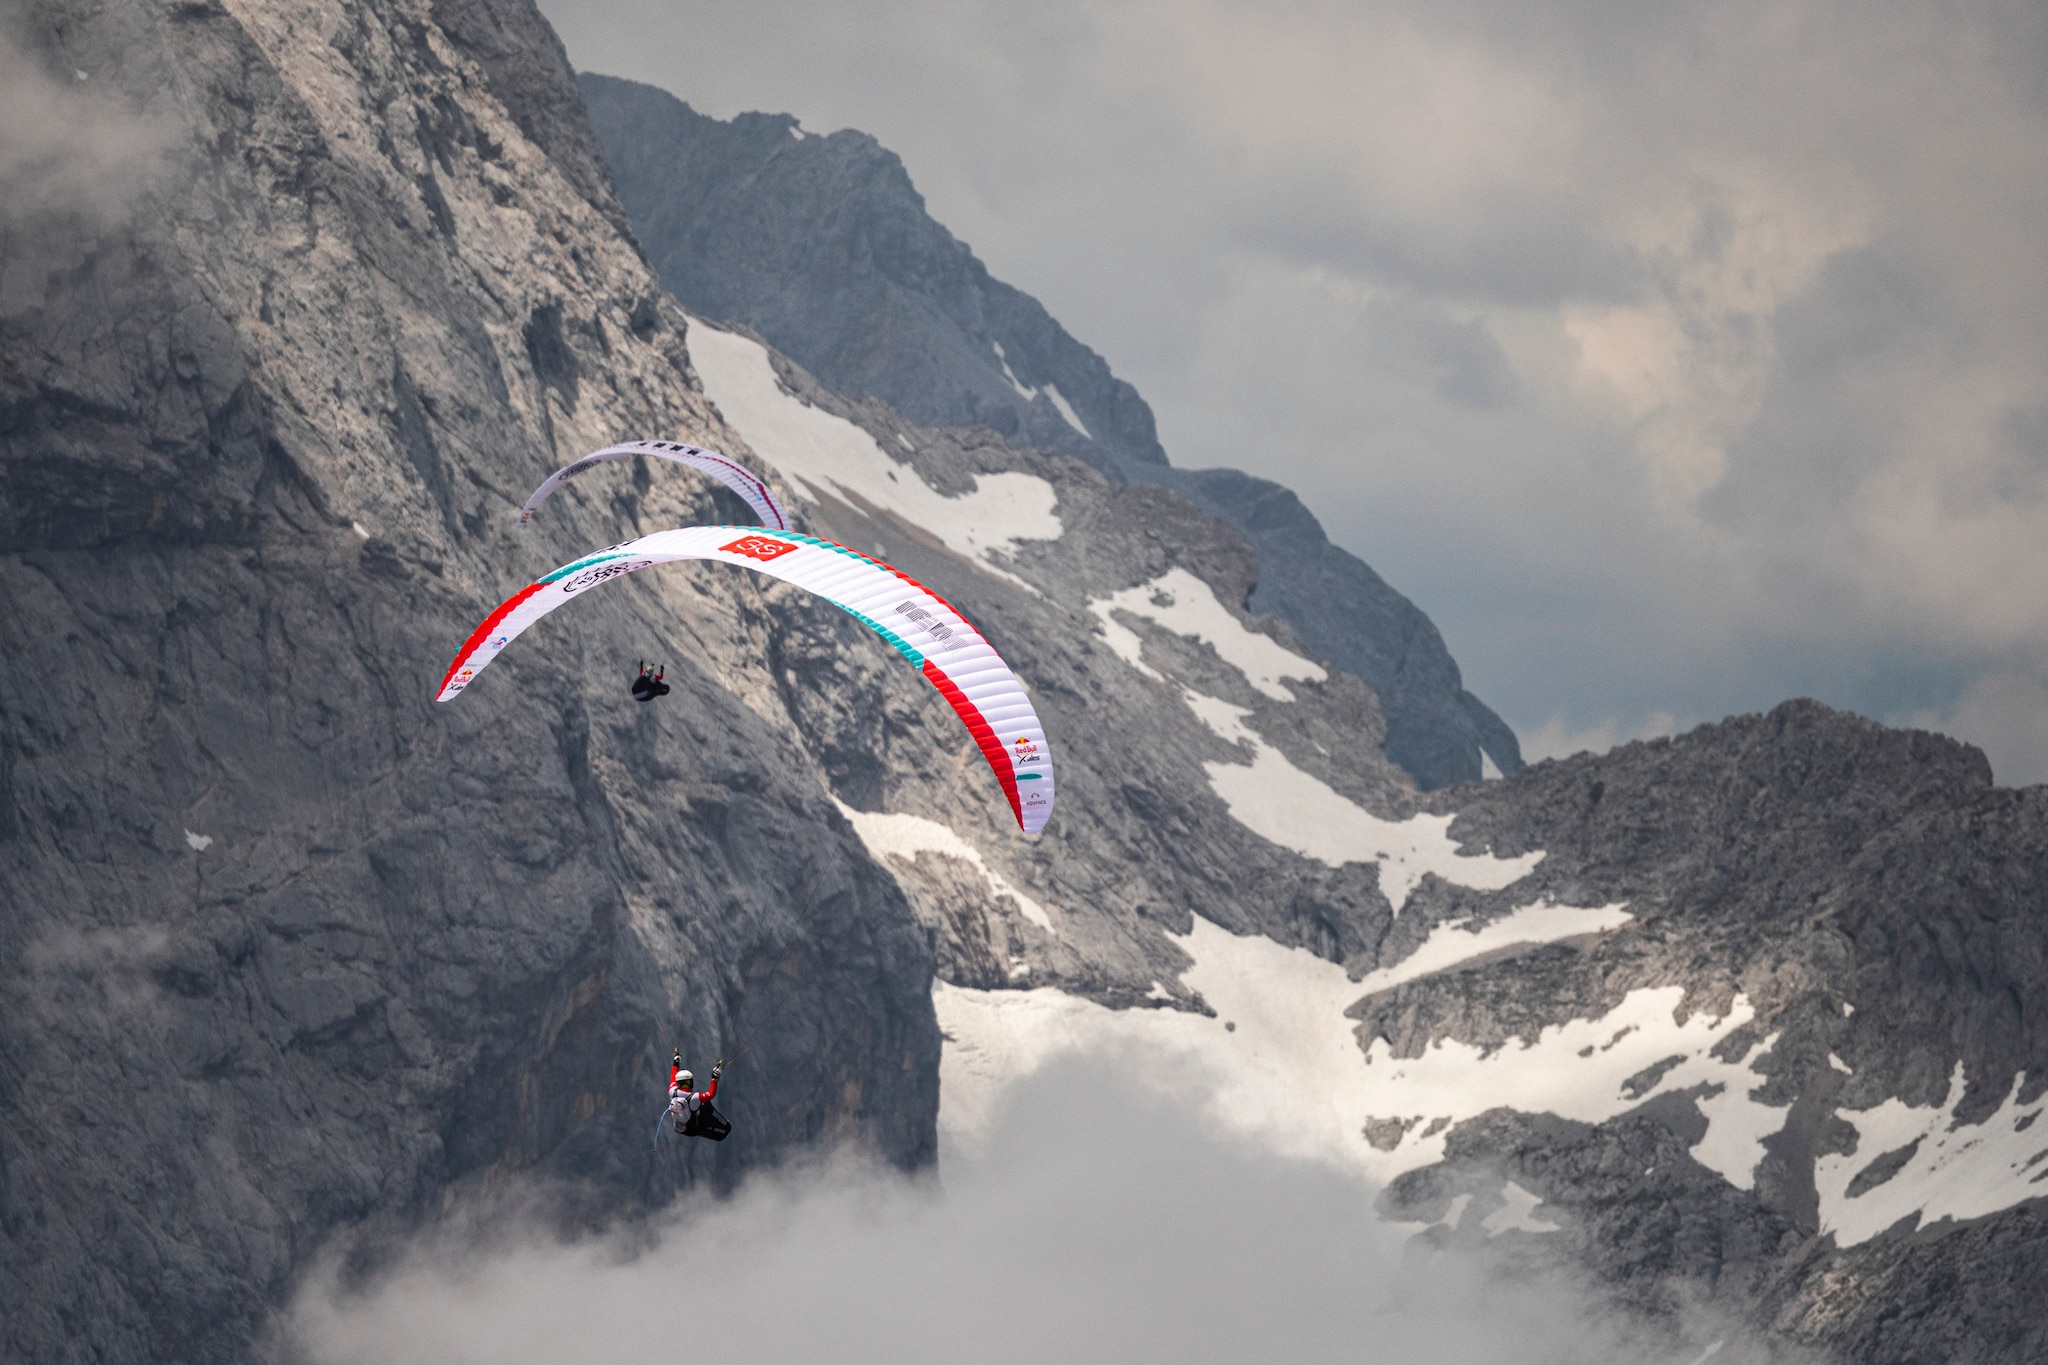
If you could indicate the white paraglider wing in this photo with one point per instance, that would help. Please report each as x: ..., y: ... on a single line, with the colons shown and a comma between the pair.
x: 726, y: 470
x: 922, y: 626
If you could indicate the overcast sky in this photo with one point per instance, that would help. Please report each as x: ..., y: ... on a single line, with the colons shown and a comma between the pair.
x: 1676, y: 358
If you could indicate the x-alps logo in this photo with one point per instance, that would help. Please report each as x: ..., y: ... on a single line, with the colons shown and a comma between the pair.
x: 461, y: 681
x: 1024, y: 751
x: 597, y: 574
x: 759, y: 547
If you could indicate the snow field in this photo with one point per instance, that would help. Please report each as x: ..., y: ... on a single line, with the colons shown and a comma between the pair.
x: 1955, y: 1172
x: 1066, y: 411
x: 1270, y: 796
x: 1185, y: 605
x: 1290, y: 1077
x: 1286, y: 806
x: 1451, y: 943
x: 896, y: 835
x: 1027, y: 393
x: 1002, y: 358
x: 819, y: 453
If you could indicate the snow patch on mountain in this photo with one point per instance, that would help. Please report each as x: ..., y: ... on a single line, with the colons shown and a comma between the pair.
x: 1284, y: 805
x: 1950, y: 1171
x: 1051, y: 392
x: 1280, y: 1065
x: 1581, y: 1070
x: 1066, y: 411
x: 1452, y: 943
x: 1269, y: 795
x: 1185, y: 605
x: 1024, y: 391
x: 1225, y: 720
x: 821, y: 453
x: 894, y: 834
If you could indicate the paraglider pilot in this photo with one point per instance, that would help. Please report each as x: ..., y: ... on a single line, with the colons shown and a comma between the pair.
x: 683, y: 1102
x: 648, y: 685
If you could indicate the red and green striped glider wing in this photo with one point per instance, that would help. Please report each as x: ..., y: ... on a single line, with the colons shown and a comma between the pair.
x: 921, y: 625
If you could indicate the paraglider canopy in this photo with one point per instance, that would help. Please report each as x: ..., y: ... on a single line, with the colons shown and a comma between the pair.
x: 922, y: 626
x: 726, y: 470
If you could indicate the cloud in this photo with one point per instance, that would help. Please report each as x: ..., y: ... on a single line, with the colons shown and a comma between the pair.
x: 66, y: 145
x: 73, y: 159
x: 1674, y: 358
x: 2005, y: 715
x: 1094, y: 1228
x: 1557, y: 739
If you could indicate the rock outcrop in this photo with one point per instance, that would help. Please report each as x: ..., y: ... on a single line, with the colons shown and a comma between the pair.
x: 1881, y: 911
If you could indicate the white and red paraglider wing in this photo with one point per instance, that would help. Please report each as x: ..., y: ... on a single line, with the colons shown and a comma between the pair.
x: 921, y: 625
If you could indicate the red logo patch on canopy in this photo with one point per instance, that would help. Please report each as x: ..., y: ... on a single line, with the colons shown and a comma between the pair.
x: 758, y: 547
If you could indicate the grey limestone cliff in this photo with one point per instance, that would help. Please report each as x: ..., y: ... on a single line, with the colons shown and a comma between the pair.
x: 284, y: 947
x: 823, y: 246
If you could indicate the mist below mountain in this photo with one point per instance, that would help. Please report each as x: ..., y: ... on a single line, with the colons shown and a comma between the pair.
x: 1097, y: 1223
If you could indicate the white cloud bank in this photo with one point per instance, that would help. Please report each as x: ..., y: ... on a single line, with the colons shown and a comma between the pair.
x: 1095, y: 1228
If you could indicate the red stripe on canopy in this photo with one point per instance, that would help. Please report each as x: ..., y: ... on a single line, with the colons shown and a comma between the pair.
x: 991, y: 744
x: 483, y: 632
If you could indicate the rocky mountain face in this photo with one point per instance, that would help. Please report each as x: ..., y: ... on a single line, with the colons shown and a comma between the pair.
x: 1866, y: 912
x: 1743, y: 1024
x: 823, y: 247
x: 284, y: 947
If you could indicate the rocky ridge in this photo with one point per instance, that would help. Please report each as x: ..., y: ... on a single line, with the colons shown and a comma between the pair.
x: 1879, y: 905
